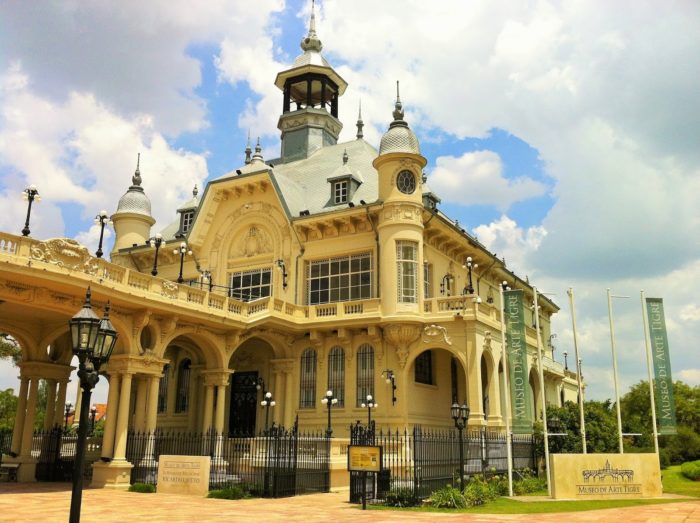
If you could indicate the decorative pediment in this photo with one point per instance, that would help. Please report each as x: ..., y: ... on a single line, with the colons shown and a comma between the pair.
x: 66, y: 253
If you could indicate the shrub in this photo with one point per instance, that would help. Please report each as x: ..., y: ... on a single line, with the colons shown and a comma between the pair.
x: 691, y: 470
x: 478, y: 492
x: 402, y: 497
x: 144, y: 488
x: 448, y: 497
x: 498, y: 485
x: 528, y: 483
x: 232, y: 492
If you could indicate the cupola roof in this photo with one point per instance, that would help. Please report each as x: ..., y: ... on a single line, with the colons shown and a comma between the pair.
x: 135, y: 200
x: 399, y: 138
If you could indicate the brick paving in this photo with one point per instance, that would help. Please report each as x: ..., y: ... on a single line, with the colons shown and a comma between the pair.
x: 48, y: 502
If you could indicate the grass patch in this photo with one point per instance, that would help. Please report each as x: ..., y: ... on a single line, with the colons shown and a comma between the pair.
x: 144, y: 488
x: 675, y: 483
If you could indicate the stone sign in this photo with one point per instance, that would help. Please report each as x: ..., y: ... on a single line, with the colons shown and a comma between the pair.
x: 184, y: 475
x: 605, y: 476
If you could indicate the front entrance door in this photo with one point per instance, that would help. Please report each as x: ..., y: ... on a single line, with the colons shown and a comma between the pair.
x: 244, y: 403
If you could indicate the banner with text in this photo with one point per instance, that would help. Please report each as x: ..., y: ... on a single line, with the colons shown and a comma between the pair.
x: 665, y: 406
x: 514, y: 316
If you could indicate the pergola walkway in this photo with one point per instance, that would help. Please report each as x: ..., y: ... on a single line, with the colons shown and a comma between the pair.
x: 47, y: 502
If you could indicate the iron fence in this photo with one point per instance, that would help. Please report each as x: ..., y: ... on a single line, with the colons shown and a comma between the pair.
x: 5, y: 442
x: 276, y: 463
x: 54, y: 451
x: 420, y: 461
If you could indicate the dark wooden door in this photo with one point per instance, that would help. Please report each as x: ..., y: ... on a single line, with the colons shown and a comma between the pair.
x: 244, y: 402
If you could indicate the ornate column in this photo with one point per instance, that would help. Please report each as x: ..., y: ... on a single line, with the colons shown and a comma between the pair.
x: 122, y: 418
x: 220, y: 404
x: 475, y: 397
x: 60, y: 402
x: 401, y: 336
x: 111, y: 420
x: 152, y: 408
x: 19, y: 419
x: 495, y: 415
x: 50, y: 404
x: 277, y: 414
x: 208, y: 406
x: 288, y: 393
x: 140, y: 415
x: 28, y: 429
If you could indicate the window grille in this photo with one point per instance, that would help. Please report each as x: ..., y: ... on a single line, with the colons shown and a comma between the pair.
x: 307, y: 380
x: 251, y: 285
x: 163, y: 390
x: 365, y: 373
x: 427, y: 279
x: 424, y: 368
x: 183, y: 386
x: 187, y: 219
x: 407, y: 269
x: 340, y: 192
x: 336, y: 374
x: 340, y: 279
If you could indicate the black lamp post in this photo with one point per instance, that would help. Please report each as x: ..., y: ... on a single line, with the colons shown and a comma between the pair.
x: 65, y: 425
x: 155, y: 242
x: 329, y: 400
x: 267, y: 402
x: 460, y: 415
x: 93, y: 415
x: 371, y: 404
x: 182, y: 250
x: 283, y: 268
x: 566, y: 363
x: 206, y: 275
x: 101, y: 219
x: 391, y: 380
x: 93, y: 341
x: 30, y: 194
x: 469, y: 265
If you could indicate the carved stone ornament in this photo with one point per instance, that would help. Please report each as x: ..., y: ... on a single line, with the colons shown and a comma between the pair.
x: 65, y: 253
x: 169, y: 289
x: 431, y: 332
x: 255, y: 241
x: 487, y: 341
x: 401, y: 335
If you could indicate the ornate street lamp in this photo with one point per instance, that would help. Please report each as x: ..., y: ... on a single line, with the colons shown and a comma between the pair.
x: 65, y: 425
x: 101, y: 219
x: 93, y: 415
x: 267, y: 402
x: 155, y: 243
x: 329, y: 400
x: 469, y: 265
x: 206, y: 275
x: 446, y: 284
x: 371, y: 404
x: 391, y: 380
x: 31, y: 195
x: 93, y: 342
x: 460, y: 415
x: 566, y: 363
x: 182, y: 250
x: 283, y: 268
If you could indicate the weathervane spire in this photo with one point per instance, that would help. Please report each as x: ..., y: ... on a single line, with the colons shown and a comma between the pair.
x: 248, y: 150
x: 136, y: 178
x: 311, y: 42
x: 360, y: 123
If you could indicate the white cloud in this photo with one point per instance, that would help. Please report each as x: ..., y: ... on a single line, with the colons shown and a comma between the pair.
x: 690, y: 376
x: 506, y: 239
x: 690, y: 312
x: 476, y: 178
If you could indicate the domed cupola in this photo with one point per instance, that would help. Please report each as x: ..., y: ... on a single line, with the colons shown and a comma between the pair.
x: 399, y: 138
x: 132, y: 220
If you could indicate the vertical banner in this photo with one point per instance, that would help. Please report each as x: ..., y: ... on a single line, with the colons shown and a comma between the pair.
x: 514, y: 317
x: 665, y: 406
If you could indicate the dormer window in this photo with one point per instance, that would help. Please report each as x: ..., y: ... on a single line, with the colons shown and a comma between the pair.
x: 187, y: 219
x: 430, y: 201
x: 340, y: 191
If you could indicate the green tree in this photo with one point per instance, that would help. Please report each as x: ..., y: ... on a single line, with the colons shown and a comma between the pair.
x: 8, y: 408
x: 9, y: 348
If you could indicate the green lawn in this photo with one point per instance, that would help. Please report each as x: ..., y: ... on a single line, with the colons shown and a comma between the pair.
x: 673, y: 482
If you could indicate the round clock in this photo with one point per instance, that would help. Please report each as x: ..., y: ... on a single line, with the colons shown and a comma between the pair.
x: 406, y: 182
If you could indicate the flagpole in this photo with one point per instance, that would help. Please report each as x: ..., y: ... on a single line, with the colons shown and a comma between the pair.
x: 542, y: 392
x: 614, y: 357
x: 506, y: 390
x: 570, y: 292
x: 651, y: 383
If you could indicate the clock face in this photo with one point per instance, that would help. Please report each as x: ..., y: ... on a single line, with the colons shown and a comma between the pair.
x: 406, y: 182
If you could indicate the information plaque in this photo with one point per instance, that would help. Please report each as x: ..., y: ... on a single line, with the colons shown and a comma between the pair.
x: 362, y: 458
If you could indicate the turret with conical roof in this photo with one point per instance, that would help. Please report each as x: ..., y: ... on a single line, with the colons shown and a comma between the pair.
x: 311, y: 89
x: 132, y: 220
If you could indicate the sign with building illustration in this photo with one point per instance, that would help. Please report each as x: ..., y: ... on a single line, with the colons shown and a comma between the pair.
x: 364, y: 458
x: 605, y: 476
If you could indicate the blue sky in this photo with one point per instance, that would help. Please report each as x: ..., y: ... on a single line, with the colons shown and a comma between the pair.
x: 557, y: 133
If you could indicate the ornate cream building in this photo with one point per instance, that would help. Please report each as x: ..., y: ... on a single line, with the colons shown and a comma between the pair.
x: 328, y: 268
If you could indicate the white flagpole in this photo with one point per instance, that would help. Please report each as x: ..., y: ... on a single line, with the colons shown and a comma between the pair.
x: 570, y: 292
x: 651, y: 382
x: 542, y: 392
x: 506, y: 379
x: 614, y: 357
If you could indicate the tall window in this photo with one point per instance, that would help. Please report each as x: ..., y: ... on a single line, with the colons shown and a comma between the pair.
x: 340, y: 279
x: 187, y: 219
x: 183, y: 385
x: 163, y: 390
x: 427, y: 278
x: 340, y: 192
x: 424, y: 368
x: 365, y: 373
x: 251, y: 285
x: 307, y: 380
x: 336, y: 374
x: 407, y: 264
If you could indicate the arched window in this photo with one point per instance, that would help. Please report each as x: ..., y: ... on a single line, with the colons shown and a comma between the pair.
x: 183, y: 385
x: 307, y: 380
x: 365, y: 373
x: 336, y: 374
x: 163, y: 390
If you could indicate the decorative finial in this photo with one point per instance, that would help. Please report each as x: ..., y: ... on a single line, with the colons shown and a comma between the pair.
x: 311, y: 42
x: 360, y: 123
x: 398, y: 108
x: 258, y: 152
x: 136, y: 178
x: 195, y: 191
x: 248, y: 150
x: 345, y: 156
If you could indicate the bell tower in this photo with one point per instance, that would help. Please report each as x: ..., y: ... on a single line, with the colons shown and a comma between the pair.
x: 311, y: 88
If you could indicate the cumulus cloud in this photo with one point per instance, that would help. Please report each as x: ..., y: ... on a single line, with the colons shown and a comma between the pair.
x: 507, y: 239
x: 476, y: 178
x: 690, y: 376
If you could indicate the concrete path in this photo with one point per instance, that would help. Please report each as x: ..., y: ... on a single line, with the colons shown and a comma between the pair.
x: 49, y: 502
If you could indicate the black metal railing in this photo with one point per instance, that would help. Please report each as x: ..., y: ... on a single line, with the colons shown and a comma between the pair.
x: 54, y: 451
x: 5, y: 442
x: 421, y: 461
x: 276, y: 463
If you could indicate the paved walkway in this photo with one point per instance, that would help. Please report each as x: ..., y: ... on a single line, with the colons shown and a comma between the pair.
x: 47, y: 502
